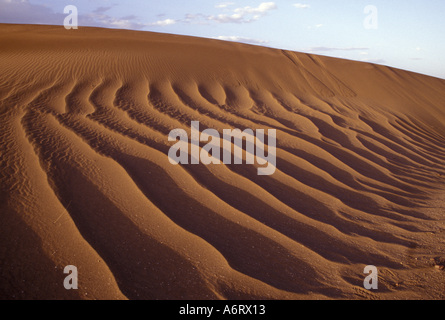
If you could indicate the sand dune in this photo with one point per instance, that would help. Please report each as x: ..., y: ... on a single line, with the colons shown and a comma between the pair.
x: 86, y: 180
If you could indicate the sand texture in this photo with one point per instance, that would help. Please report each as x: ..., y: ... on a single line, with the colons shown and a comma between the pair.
x: 86, y: 181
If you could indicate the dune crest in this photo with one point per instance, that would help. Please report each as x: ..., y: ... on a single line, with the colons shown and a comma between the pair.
x: 86, y: 179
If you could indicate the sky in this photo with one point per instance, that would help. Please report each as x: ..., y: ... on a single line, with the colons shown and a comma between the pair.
x: 407, y: 34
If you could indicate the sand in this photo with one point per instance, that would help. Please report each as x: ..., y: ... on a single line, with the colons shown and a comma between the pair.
x: 86, y: 180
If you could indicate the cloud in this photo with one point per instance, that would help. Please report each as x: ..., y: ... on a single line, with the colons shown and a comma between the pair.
x: 237, y: 15
x: 223, y: 5
x: 327, y: 49
x: 99, y: 18
x: 261, y: 9
x: 163, y: 23
x: 118, y: 23
x: 242, y: 39
x: 101, y: 10
x: 244, y: 14
x: 301, y: 6
x: 317, y: 26
x: 22, y: 11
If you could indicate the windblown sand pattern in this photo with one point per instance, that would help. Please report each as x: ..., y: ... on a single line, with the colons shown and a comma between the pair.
x: 86, y: 181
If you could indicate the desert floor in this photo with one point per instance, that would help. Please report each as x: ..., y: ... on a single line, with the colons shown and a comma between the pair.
x: 86, y: 181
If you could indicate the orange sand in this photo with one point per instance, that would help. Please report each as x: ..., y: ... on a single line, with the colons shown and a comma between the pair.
x: 86, y: 181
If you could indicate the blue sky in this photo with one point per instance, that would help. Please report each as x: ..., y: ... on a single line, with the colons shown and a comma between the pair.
x: 405, y: 34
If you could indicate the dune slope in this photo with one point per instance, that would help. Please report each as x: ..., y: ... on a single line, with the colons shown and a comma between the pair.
x: 86, y: 180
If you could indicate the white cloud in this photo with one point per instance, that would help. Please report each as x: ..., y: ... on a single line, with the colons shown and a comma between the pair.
x: 237, y: 15
x: 261, y: 9
x: 244, y: 14
x: 22, y: 11
x: 223, y: 5
x: 99, y: 18
x: 163, y: 23
x: 337, y: 49
x: 301, y: 6
x: 317, y: 26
